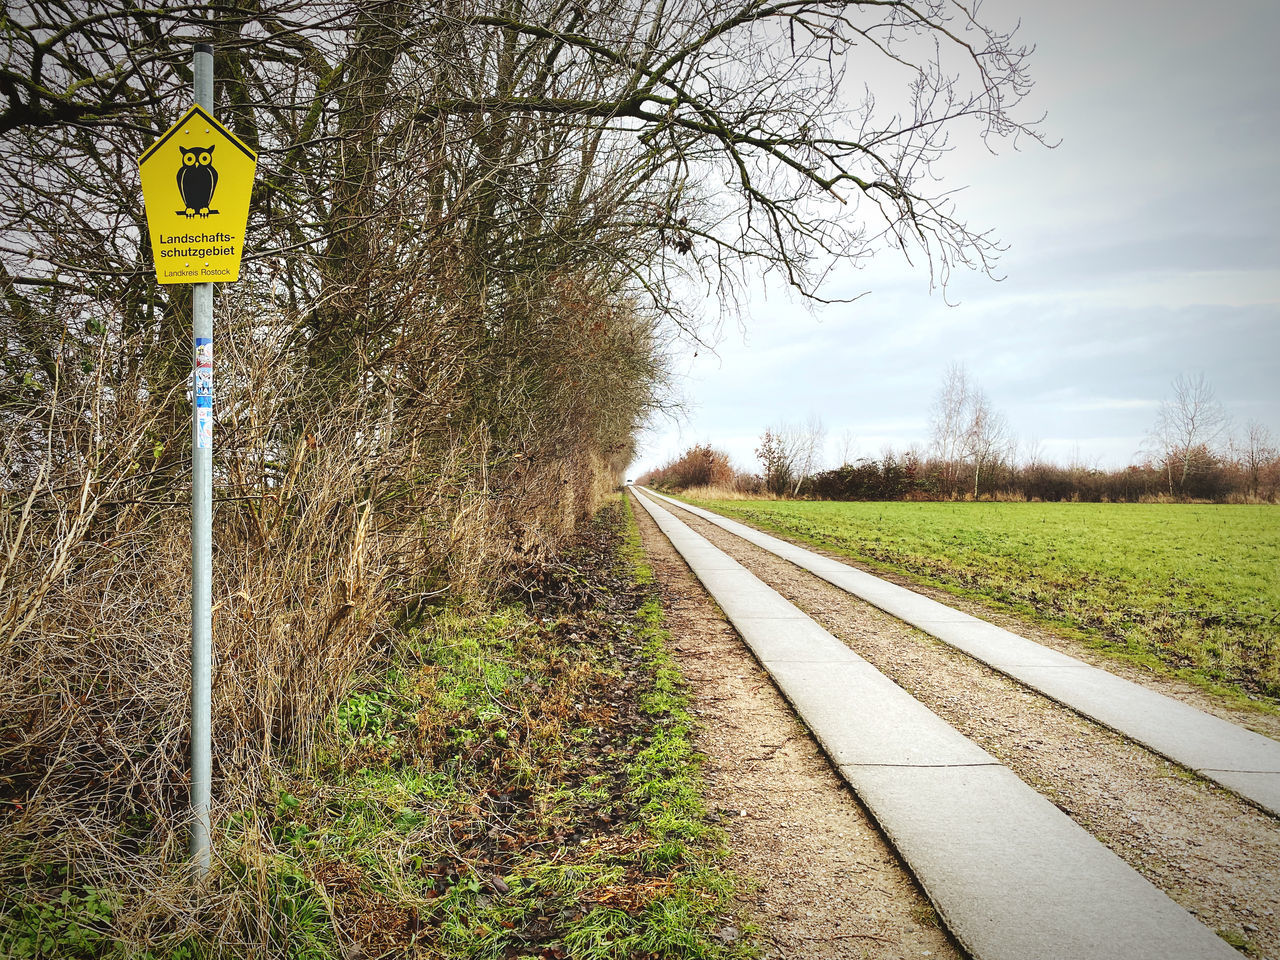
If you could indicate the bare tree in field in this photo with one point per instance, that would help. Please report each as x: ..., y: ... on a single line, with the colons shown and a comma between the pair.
x: 966, y: 430
x: 790, y: 452
x: 1189, y: 428
x: 806, y: 442
x: 1254, y: 452
x: 948, y: 426
x: 848, y: 447
x: 775, y: 460
x: 987, y: 438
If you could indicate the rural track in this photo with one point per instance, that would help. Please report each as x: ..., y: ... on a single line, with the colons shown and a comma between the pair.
x: 819, y: 880
x: 1216, y: 856
x: 1241, y: 760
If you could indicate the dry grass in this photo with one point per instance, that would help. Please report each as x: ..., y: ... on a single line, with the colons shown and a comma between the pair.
x: 724, y: 493
x: 327, y: 530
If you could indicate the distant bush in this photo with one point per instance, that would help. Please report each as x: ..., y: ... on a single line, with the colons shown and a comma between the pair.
x: 699, y: 466
x: 890, y: 478
x: 908, y: 476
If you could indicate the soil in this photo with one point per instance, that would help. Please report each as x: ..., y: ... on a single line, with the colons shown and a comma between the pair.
x: 1214, y: 853
x: 824, y: 882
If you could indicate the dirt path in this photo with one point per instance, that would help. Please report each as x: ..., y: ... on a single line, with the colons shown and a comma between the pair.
x: 1216, y: 855
x: 827, y: 885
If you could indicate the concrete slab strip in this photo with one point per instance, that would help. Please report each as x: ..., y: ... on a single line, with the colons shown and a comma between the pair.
x: 1011, y: 875
x: 974, y: 837
x: 860, y: 716
x: 777, y: 640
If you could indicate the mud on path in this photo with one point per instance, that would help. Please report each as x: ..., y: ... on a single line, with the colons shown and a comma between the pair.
x: 825, y: 884
x: 1216, y: 855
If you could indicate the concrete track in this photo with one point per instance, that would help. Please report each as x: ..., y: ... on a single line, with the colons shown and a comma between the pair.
x: 1011, y: 876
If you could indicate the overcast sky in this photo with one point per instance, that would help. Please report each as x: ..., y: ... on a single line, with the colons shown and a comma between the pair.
x: 1146, y: 245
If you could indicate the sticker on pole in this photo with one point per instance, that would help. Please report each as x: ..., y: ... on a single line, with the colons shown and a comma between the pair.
x: 196, y: 182
x: 202, y: 393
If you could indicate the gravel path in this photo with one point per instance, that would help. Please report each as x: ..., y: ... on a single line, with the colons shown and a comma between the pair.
x: 826, y: 884
x: 1216, y: 855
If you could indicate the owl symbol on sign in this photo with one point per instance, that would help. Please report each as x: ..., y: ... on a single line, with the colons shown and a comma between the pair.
x: 197, y: 179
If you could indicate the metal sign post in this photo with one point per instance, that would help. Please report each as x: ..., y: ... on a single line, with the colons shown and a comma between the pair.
x: 197, y: 180
x: 202, y: 528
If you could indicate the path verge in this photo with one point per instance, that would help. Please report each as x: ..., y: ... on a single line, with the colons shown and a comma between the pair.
x: 511, y: 780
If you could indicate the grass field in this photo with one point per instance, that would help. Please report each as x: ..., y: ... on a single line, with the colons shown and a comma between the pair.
x: 1189, y: 588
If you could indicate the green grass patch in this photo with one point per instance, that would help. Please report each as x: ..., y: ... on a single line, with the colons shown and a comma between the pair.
x: 1190, y: 589
x: 518, y: 780
x: 74, y: 924
x: 521, y: 783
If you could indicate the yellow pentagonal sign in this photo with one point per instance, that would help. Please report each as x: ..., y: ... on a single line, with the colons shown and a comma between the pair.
x: 196, y: 182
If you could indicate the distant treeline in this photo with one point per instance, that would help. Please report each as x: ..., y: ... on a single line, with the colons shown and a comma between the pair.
x: 912, y: 476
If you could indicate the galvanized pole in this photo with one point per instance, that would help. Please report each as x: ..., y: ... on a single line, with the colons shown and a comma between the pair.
x: 201, y: 529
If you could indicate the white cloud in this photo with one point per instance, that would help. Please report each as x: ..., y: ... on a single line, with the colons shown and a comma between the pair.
x: 1145, y: 246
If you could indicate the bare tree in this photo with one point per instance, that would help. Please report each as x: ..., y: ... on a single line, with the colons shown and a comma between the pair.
x: 1188, y: 429
x: 948, y: 424
x: 789, y: 453
x: 498, y: 153
x: 1030, y: 454
x: 774, y: 457
x: 806, y: 442
x: 966, y: 430
x: 987, y: 439
x: 662, y: 100
x: 1254, y: 452
x: 848, y: 447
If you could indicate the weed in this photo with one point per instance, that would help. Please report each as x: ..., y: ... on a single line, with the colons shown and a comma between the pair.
x: 925, y: 915
x: 1238, y: 940
x: 76, y: 923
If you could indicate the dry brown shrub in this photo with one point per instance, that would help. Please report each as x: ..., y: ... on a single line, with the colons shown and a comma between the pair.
x: 329, y: 520
x: 339, y: 507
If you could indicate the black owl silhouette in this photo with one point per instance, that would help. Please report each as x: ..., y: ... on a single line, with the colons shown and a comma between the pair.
x: 197, y: 179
